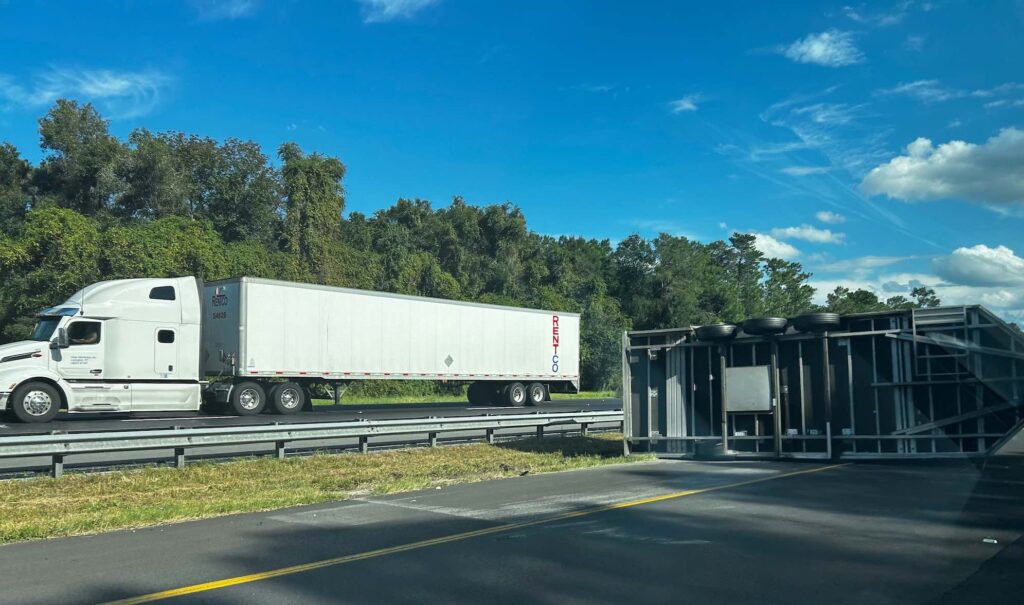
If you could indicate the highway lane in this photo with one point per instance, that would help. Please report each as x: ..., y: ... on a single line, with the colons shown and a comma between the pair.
x: 14, y: 467
x: 126, y: 422
x: 659, y: 532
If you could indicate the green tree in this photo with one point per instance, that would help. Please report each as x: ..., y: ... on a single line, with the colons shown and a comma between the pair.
x: 56, y: 253
x: 14, y: 198
x: 925, y: 297
x: 633, y: 283
x: 746, y: 271
x: 314, y: 203
x: 242, y: 197
x: 156, y: 184
x: 842, y: 300
x: 786, y: 292
x: 601, y: 343
x: 81, y: 168
x: 168, y: 247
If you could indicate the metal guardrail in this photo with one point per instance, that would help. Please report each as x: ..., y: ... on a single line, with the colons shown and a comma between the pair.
x: 57, y: 446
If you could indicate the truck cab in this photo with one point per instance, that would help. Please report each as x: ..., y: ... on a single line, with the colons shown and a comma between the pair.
x: 127, y: 345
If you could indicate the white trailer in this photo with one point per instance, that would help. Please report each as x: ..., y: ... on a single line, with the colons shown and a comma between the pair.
x: 256, y: 345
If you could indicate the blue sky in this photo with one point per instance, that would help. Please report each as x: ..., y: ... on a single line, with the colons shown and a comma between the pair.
x: 881, y: 144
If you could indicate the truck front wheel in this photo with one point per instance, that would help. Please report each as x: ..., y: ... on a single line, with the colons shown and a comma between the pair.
x: 287, y: 398
x: 247, y: 399
x: 35, y: 402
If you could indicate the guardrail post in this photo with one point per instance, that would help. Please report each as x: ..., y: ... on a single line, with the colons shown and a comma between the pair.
x: 490, y: 436
x: 433, y: 439
x: 279, y: 450
x: 179, y: 457
x: 57, y: 466
x: 584, y: 429
x: 540, y: 432
x: 364, y: 444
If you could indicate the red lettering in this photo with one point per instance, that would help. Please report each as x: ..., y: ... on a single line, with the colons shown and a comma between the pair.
x: 554, y: 334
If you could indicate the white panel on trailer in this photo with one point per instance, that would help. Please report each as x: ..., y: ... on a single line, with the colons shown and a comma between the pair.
x: 290, y: 329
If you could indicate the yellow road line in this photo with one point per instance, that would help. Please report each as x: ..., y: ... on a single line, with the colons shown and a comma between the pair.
x: 381, y: 552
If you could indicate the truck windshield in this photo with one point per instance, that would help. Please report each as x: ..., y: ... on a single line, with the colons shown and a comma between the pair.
x: 45, y: 327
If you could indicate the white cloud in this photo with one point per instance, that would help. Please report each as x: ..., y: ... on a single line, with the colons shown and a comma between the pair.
x: 1002, y: 89
x: 849, y: 136
x: 687, y: 103
x: 1005, y: 301
x: 590, y: 87
x: 829, y: 217
x: 988, y: 173
x: 829, y: 114
x: 1004, y: 103
x: 881, y: 19
x: 860, y: 265
x: 832, y: 48
x: 928, y: 91
x: 932, y: 91
x: 981, y: 266
x: 914, y: 43
x: 212, y: 10
x: 804, y: 170
x: 809, y: 233
x: 120, y: 95
x: 380, y: 11
x: 773, y: 248
x: 991, y: 276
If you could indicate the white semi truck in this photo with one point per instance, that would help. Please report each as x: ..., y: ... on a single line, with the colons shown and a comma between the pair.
x: 251, y: 345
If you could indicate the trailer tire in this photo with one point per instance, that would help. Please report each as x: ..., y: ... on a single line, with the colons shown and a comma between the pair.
x: 765, y: 326
x: 536, y: 394
x: 287, y: 398
x: 247, y: 399
x: 35, y: 402
x: 717, y: 331
x: 515, y: 394
x: 816, y: 322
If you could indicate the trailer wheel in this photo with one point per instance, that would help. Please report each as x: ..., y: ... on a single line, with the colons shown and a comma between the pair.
x: 536, y: 394
x: 287, y: 398
x: 247, y: 399
x: 35, y: 402
x: 515, y: 394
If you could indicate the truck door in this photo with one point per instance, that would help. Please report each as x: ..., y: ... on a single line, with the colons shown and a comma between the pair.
x: 165, y: 352
x: 82, y: 364
x: 167, y: 393
x: 83, y: 359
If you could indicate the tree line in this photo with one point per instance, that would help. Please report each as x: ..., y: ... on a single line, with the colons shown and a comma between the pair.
x: 170, y: 204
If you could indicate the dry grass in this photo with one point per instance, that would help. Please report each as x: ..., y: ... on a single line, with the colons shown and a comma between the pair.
x: 88, y: 503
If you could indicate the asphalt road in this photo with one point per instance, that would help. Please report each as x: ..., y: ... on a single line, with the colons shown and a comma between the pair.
x: 91, y: 423
x: 759, y: 532
x: 128, y: 422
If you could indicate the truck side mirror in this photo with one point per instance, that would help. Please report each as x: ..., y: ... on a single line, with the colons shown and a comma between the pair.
x: 62, y: 339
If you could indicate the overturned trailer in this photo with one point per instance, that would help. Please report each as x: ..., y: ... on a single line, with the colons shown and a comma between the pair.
x: 934, y: 382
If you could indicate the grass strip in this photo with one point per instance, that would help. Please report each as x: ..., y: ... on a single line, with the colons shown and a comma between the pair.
x: 78, y: 504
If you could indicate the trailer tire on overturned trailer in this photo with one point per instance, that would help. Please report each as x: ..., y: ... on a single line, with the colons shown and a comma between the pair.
x: 262, y: 334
